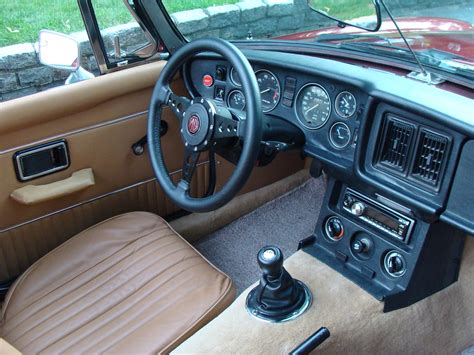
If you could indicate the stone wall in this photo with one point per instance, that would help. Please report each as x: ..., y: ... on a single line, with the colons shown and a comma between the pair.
x: 21, y: 73
x: 257, y: 18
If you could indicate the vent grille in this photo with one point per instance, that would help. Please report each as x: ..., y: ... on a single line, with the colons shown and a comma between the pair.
x: 429, y: 157
x: 396, y: 144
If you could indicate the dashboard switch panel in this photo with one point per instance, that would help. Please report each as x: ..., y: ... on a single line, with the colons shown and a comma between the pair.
x: 289, y: 91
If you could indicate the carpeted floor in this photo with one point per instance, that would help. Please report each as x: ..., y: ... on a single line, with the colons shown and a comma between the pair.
x: 282, y: 222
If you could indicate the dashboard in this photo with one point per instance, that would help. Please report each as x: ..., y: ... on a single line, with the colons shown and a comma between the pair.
x: 347, y: 114
x: 398, y: 153
x: 329, y: 113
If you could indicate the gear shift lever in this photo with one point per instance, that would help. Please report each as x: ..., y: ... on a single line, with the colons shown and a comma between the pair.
x: 270, y: 260
x: 278, y: 297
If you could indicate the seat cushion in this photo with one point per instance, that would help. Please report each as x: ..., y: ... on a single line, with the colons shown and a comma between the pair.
x: 129, y: 284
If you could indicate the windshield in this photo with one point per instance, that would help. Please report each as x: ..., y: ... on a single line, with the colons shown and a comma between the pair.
x: 441, y: 32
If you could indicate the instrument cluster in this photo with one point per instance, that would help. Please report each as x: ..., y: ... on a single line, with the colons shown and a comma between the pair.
x: 319, y: 106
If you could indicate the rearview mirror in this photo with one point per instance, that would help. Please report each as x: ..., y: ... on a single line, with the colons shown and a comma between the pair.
x: 364, y: 14
x: 58, y: 50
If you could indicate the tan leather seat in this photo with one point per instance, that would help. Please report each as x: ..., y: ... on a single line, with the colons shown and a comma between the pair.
x: 129, y: 285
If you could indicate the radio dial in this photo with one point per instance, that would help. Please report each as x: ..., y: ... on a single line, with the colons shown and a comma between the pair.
x: 357, y: 208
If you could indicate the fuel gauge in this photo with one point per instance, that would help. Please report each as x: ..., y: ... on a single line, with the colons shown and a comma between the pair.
x: 340, y: 135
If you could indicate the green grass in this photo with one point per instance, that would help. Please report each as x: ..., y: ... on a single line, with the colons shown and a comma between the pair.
x: 345, y: 9
x: 21, y: 20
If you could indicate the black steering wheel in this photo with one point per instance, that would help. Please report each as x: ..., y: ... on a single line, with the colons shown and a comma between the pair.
x: 203, y: 124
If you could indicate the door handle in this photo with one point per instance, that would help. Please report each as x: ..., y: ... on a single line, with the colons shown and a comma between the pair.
x: 32, y: 194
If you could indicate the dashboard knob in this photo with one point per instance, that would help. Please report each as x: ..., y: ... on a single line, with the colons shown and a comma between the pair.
x: 357, y: 208
x: 395, y: 264
x: 359, y: 247
x: 362, y: 246
x: 334, y: 228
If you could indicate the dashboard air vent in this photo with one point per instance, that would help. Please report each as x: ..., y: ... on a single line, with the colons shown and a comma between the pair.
x: 430, y: 156
x: 395, y: 145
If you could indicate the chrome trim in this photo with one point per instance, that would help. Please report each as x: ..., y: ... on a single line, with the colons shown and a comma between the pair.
x: 97, y: 40
x: 279, y: 87
x: 40, y: 149
x: 296, y: 106
x: 304, y: 307
x: 93, y: 32
x: 92, y: 200
x: 337, y: 108
x: 76, y: 131
x: 231, y: 76
x: 332, y: 141
x: 386, y: 266
x: 326, y: 229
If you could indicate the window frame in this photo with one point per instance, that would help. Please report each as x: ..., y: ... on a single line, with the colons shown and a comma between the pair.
x: 98, y: 47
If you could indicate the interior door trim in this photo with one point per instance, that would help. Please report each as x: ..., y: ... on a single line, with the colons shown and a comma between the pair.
x: 76, y: 131
x: 93, y: 199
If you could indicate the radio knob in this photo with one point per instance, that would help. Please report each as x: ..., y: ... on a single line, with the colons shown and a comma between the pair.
x: 357, y: 208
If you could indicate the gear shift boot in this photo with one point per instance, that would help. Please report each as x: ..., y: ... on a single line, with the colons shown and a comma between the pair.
x: 278, y: 297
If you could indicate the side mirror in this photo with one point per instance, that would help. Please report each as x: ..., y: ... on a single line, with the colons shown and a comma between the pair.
x: 58, y: 50
x: 363, y: 14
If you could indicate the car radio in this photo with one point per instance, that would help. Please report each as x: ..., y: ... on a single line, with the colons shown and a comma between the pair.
x: 378, y: 216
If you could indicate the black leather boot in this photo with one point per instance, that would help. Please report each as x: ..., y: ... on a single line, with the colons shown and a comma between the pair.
x: 278, y: 297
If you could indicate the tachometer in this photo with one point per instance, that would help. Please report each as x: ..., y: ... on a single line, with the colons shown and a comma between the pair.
x: 236, y: 100
x: 269, y: 89
x: 346, y: 104
x: 313, y: 106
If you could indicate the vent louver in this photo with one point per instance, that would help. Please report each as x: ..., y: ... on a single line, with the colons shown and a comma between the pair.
x: 429, y: 157
x: 396, y: 143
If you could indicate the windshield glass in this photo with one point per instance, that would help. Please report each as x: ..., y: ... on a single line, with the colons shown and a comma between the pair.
x: 441, y: 31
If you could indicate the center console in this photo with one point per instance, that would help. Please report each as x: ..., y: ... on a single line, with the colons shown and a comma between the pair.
x: 383, y: 246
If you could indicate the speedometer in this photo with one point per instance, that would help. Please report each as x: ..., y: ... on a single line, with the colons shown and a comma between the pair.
x: 313, y: 106
x: 269, y: 89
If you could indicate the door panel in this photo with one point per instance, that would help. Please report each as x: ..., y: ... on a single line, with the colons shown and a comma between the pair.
x: 100, y: 119
x: 24, y: 244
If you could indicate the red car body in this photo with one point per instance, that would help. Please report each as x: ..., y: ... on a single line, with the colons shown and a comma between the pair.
x: 424, y: 33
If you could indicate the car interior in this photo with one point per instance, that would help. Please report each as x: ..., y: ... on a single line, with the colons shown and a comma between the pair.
x: 237, y: 197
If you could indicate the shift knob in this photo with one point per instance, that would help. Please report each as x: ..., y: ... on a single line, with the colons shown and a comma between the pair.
x: 278, y: 297
x: 270, y: 260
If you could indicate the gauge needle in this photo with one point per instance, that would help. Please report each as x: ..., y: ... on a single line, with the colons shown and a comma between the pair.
x: 312, y: 108
x: 264, y: 91
x: 347, y: 103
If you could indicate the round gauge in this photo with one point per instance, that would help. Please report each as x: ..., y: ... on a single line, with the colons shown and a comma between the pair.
x: 269, y: 89
x: 236, y: 100
x: 346, y: 104
x: 313, y: 106
x: 234, y: 77
x: 340, y: 135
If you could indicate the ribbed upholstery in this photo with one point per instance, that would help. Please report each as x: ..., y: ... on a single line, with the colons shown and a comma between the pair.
x: 129, y: 285
x: 22, y: 246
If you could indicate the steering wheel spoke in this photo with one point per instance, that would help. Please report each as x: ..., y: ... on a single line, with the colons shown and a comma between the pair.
x: 201, y: 127
x: 178, y: 104
x: 227, y: 125
x: 191, y: 158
